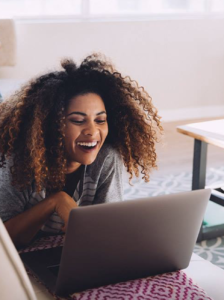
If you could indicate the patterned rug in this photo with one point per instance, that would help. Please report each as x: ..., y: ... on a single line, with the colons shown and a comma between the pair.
x: 212, y: 250
x: 173, y: 285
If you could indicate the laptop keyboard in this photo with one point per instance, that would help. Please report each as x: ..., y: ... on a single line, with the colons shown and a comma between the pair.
x: 54, y: 255
x: 48, y: 257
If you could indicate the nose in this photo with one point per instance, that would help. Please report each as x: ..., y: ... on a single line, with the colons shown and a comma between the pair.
x: 90, y: 129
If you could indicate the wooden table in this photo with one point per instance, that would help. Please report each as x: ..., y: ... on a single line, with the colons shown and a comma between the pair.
x: 204, y: 133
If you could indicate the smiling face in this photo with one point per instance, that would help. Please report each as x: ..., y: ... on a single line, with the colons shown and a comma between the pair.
x: 86, y: 129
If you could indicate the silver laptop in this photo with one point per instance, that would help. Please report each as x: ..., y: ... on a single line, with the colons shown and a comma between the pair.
x: 115, y: 242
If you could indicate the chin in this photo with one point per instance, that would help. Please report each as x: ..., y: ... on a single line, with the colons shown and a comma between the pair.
x: 88, y: 161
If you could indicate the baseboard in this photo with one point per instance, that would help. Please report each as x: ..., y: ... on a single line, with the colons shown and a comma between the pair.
x: 213, y: 111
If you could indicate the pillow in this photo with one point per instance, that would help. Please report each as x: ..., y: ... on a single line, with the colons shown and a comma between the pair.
x: 14, y: 283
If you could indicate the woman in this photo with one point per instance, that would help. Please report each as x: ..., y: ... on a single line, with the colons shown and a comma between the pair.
x: 64, y: 138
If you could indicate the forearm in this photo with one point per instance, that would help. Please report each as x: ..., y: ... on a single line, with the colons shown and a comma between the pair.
x: 25, y: 226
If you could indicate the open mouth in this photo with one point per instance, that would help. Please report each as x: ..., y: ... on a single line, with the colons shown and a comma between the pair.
x: 87, y: 146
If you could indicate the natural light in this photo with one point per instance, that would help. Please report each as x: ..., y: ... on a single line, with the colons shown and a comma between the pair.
x: 107, y: 8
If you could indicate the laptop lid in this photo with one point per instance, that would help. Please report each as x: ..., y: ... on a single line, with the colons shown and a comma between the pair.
x: 115, y: 242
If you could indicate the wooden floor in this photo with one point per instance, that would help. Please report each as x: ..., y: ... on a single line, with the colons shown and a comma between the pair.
x: 175, y: 151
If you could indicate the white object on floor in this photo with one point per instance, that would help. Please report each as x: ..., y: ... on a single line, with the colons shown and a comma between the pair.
x: 14, y: 283
x: 207, y: 276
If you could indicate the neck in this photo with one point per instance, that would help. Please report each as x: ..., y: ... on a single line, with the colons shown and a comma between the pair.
x: 72, y: 167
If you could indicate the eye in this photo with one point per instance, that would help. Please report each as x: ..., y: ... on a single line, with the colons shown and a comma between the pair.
x: 100, y: 121
x: 77, y: 121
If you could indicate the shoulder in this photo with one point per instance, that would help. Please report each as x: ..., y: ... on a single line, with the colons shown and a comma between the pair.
x: 12, y: 200
x: 5, y: 173
x: 6, y: 180
x: 107, y: 154
x: 108, y: 158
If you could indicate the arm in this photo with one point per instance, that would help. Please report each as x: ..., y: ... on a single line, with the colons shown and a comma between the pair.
x: 22, y: 223
x: 23, y: 227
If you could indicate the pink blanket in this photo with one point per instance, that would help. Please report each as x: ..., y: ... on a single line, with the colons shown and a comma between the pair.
x: 175, y: 285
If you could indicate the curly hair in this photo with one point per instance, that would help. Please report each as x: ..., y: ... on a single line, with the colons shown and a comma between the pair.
x: 32, y: 122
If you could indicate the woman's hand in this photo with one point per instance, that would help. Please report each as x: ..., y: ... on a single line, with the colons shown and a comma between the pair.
x: 63, y: 205
x: 23, y: 227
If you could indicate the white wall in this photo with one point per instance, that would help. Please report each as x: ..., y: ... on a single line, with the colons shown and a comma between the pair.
x: 179, y: 62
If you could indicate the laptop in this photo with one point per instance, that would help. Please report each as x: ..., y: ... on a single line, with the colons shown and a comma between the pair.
x: 121, y: 241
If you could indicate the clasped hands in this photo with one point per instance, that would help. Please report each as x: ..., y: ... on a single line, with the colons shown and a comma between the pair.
x: 63, y: 204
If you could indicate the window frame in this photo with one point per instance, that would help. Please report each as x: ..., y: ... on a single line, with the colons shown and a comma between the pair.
x: 86, y: 16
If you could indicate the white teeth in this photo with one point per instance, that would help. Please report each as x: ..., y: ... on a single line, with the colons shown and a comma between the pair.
x: 93, y: 144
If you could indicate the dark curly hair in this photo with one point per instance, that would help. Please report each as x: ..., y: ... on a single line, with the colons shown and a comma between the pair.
x: 32, y: 122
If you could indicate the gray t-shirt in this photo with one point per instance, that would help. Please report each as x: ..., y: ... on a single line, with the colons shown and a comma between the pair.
x: 101, y: 182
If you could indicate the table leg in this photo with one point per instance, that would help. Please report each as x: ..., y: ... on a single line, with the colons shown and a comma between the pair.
x: 199, y: 171
x: 198, y: 182
x: 199, y: 165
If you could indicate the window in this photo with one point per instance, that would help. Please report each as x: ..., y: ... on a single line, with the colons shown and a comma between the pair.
x: 144, y: 7
x: 39, y: 8
x: 94, y: 9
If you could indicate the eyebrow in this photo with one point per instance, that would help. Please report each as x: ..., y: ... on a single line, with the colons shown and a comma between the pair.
x: 83, y: 114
